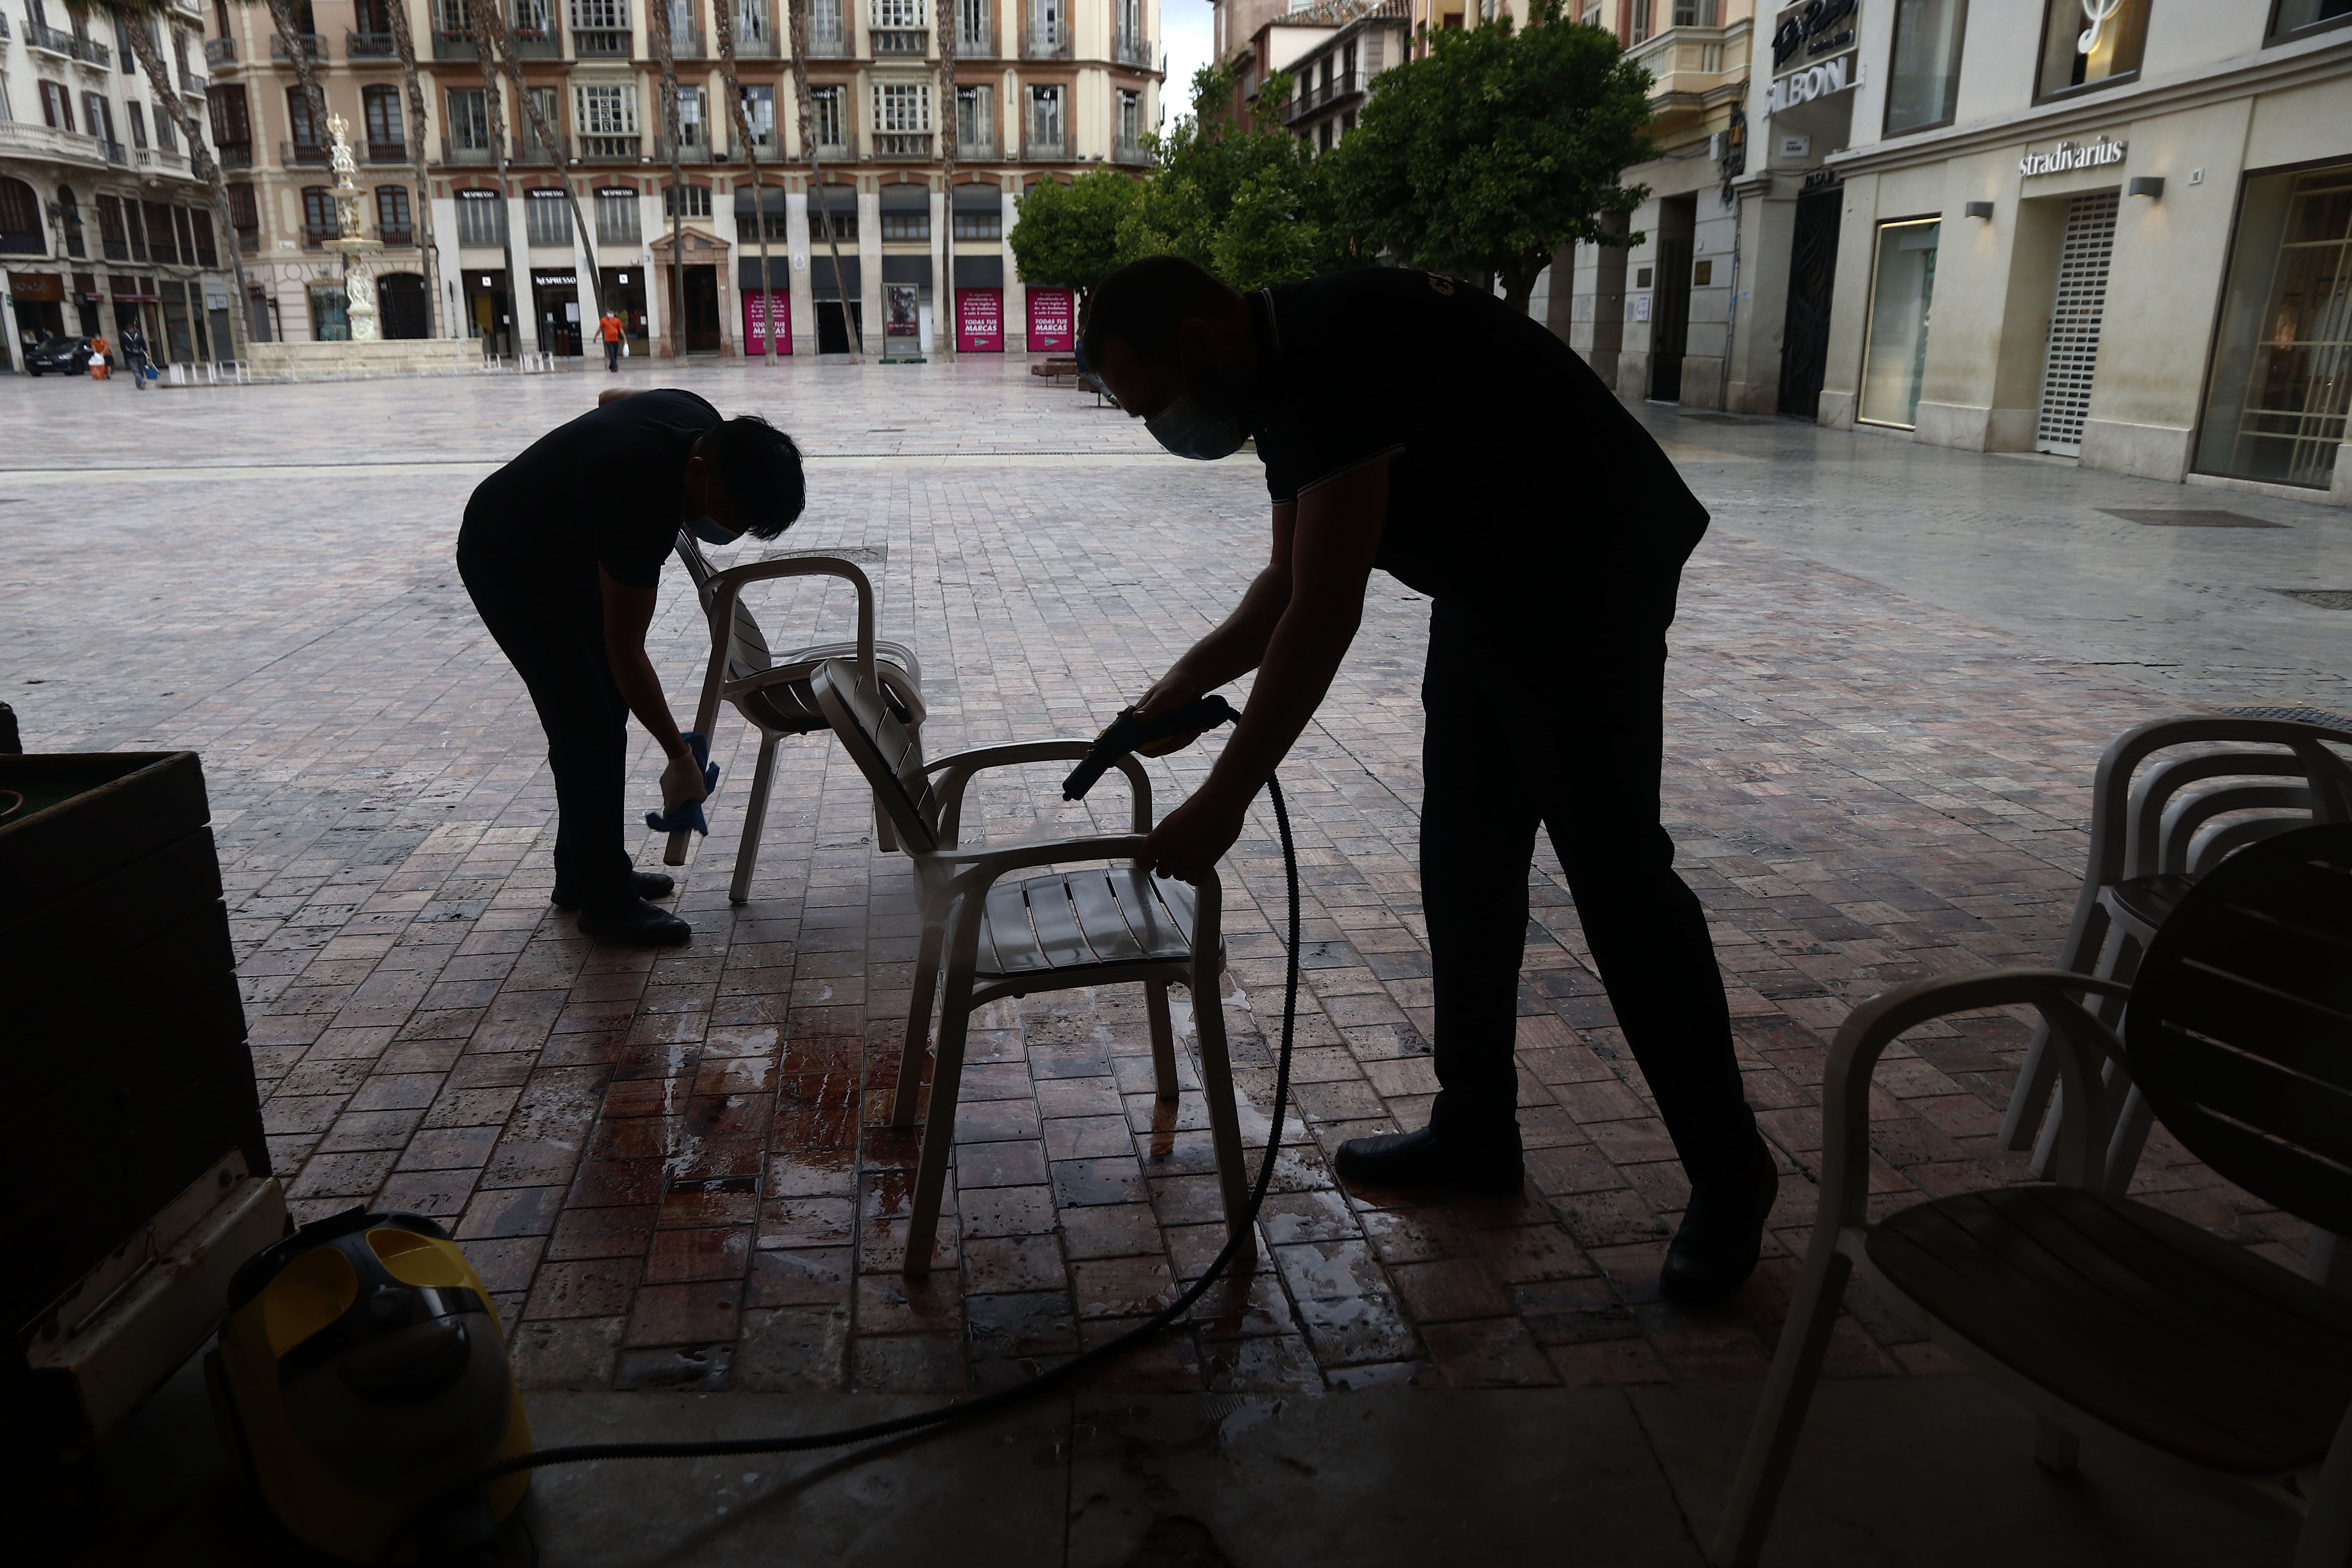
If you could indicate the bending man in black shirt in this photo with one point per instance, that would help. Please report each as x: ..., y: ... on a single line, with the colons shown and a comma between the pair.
x: 1420, y: 425
x: 562, y: 552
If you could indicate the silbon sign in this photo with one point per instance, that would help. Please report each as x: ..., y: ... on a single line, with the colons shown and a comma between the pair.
x: 1815, y: 82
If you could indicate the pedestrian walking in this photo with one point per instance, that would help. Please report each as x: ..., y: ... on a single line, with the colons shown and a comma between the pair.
x: 134, y: 355
x: 609, y: 328
x: 98, y: 366
x: 1415, y: 423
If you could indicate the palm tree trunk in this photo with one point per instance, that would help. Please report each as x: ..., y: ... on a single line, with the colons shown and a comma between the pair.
x: 657, y: 20
x: 539, y: 128
x: 474, y: 10
x: 281, y: 15
x: 852, y: 329
x: 723, y: 17
x: 949, y: 128
x: 405, y: 45
x: 168, y: 95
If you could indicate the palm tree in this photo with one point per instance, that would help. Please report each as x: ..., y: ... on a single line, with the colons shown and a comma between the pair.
x: 657, y: 15
x: 539, y: 128
x: 136, y: 16
x: 723, y: 17
x: 948, y: 130
x: 405, y: 45
x: 495, y: 124
x: 852, y: 329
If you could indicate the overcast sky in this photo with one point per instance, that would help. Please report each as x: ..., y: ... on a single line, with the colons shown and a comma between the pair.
x: 1184, y: 26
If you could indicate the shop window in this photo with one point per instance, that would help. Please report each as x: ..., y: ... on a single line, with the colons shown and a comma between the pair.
x: 547, y: 217
x: 2291, y: 19
x: 1923, y: 77
x: 2091, y: 46
x: 616, y: 216
x: 1901, y: 292
x: 2275, y: 401
x: 331, y: 320
x: 481, y: 218
x: 906, y: 226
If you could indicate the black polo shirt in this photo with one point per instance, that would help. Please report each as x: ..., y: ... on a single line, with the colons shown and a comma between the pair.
x: 1513, y: 471
x: 602, y: 491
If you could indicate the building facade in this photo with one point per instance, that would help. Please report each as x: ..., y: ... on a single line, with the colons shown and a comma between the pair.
x: 2116, y: 232
x: 1042, y: 89
x: 102, y: 221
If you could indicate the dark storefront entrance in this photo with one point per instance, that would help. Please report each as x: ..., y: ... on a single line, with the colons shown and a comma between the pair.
x: 400, y: 306
x: 40, y: 305
x: 1670, y: 334
x: 832, y: 336
x: 701, y: 309
x: 487, y: 312
x: 557, y: 297
x: 1813, y: 269
x: 625, y: 293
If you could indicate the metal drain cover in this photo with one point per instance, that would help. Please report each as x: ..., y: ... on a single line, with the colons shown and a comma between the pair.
x: 2319, y: 716
x: 2325, y: 598
x: 2181, y: 517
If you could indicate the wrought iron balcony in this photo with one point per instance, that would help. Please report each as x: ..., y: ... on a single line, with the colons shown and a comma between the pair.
x: 828, y: 43
x: 369, y: 46
x: 315, y: 235
x: 114, y: 152
x: 975, y: 43
x: 537, y: 44
x: 1037, y: 44
x: 220, y: 51
x: 976, y: 149
x: 534, y: 151
x: 610, y: 149
x: 312, y: 45
x: 235, y: 154
x: 599, y: 44
x: 765, y: 48
x: 1124, y: 151
x: 1038, y: 149
x: 302, y: 154
x: 194, y: 82
x: 833, y: 152
x: 901, y: 145
x: 685, y: 44
x: 453, y: 153
x: 1309, y: 97
x: 900, y: 42
x: 389, y: 235
x: 58, y: 42
x: 386, y: 153
x: 448, y: 46
x: 1130, y: 51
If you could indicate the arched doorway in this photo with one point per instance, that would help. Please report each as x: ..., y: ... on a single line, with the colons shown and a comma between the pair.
x: 400, y: 305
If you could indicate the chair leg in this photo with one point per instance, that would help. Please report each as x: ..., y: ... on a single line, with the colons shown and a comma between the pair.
x: 2118, y: 960
x: 2327, y: 1538
x: 918, y: 1025
x: 938, y: 1128
x: 2055, y: 1449
x: 1163, y: 1037
x: 2130, y: 1139
x: 1217, y: 1088
x: 1772, y: 1440
x: 2037, y: 1080
x: 755, y: 817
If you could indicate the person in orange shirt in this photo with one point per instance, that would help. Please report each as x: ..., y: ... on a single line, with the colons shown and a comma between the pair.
x: 610, y: 327
x: 98, y: 353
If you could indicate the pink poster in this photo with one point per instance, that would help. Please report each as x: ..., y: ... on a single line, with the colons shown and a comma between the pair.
x: 756, y: 308
x: 980, y: 320
x: 1052, y: 322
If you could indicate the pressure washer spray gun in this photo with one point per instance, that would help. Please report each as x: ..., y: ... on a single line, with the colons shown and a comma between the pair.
x: 1129, y: 733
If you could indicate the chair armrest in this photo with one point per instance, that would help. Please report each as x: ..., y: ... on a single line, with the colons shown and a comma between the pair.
x: 2083, y: 1042
x: 727, y: 587
x: 958, y: 768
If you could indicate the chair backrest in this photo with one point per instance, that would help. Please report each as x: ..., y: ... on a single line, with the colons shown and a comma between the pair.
x: 2240, y: 1027
x: 2124, y: 798
x: 890, y: 758
x: 747, y: 647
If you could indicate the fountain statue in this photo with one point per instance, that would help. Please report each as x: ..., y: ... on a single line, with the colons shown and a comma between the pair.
x: 358, y: 288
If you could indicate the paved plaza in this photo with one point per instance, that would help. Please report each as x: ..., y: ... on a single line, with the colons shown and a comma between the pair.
x: 1894, y: 669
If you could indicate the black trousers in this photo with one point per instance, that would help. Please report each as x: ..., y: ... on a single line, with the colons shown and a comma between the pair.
x: 612, y: 354
x: 554, y: 634
x: 1555, y: 718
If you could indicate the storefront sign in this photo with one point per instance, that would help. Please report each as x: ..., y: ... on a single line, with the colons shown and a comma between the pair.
x: 760, y: 308
x: 38, y: 286
x: 1814, y: 82
x: 2068, y: 156
x: 1806, y: 33
x: 980, y: 320
x: 554, y: 280
x: 1052, y: 322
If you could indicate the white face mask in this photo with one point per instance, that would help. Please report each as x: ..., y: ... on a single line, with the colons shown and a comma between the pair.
x: 1189, y: 430
x: 710, y: 533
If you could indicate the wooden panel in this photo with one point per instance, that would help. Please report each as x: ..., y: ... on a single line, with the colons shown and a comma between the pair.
x: 119, y: 993
x: 67, y: 941
x: 151, y: 798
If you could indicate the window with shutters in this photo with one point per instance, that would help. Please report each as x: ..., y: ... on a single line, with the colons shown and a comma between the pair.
x: 469, y: 119
x: 114, y: 241
x: 760, y: 114
x: 392, y: 215
x: 825, y: 112
x: 481, y: 218
x: 750, y: 22
x: 388, y: 136
x: 232, y: 122
x: 826, y: 34
x: 136, y: 113
x: 616, y: 216
x: 1044, y: 134
x: 243, y: 210
x: 57, y: 106
x: 201, y: 222
x: 975, y: 122
x: 298, y: 120
x: 691, y: 129
x: 695, y: 204
x: 319, y: 223
x: 547, y: 217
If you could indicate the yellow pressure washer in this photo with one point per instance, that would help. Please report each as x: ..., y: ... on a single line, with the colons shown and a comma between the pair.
x: 359, y: 1380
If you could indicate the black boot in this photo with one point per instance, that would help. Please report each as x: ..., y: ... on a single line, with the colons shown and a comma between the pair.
x: 1423, y: 1160
x: 643, y: 884
x: 637, y: 924
x: 1721, y: 1236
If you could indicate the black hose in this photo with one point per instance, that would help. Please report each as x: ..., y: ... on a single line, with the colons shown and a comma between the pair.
x: 921, y: 1420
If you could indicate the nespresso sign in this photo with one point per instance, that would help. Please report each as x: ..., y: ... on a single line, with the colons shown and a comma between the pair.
x: 2069, y: 156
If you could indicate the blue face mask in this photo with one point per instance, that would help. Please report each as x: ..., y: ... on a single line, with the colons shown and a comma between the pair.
x: 1189, y: 430
x: 710, y: 533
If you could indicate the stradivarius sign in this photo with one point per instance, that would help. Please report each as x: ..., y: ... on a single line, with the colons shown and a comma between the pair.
x: 2068, y: 156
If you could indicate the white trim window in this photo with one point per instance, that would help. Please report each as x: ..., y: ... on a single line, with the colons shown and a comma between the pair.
x: 900, y: 14
x: 605, y: 110
x: 750, y: 21
x: 1045, y: 131
x: 902, y: 106
x: 825, y: 114
x: 597, y: 16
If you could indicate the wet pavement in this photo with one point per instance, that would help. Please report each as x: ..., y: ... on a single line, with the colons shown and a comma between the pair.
x: 1894, y: 670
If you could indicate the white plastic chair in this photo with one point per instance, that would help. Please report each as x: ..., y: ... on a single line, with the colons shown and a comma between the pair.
x: 2159, y: 822
x: 771, y: 693
x: 1000, y: 937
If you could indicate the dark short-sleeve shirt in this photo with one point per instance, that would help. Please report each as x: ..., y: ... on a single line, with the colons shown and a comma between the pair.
x: 602, y: 491
x: 1510, y: 464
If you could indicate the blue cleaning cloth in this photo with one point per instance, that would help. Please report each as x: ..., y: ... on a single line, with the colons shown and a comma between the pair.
x: 690, y: 815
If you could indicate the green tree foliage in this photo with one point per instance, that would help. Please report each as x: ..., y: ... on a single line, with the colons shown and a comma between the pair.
x: 1069, y: 234
x: 1494, y: 150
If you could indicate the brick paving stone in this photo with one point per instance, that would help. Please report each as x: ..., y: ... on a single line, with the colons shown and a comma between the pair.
x: 676, y: 1169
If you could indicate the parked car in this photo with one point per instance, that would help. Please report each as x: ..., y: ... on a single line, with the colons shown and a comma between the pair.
x: 67, y: 356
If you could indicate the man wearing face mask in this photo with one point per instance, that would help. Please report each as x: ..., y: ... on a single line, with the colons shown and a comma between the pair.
x: 562, y: 551
x: 1415, y: 423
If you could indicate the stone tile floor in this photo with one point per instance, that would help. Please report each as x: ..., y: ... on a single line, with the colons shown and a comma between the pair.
x: 674, y: 1169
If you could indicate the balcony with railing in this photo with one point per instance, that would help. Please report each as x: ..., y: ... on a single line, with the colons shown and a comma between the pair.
x: 537, y: 43
x: 610, y: 149
x: 975, y: 43
x: 1309, y: 97
x: 302, y: 154
x: 312, y: 45
x: 369, y: 46
x: 56, y: 41
x: 114, y: 152
x: 1045, y: 44
x: 168, y: 159
x: 1040, y: 150
x: 1128, y: 150
x: 1129, y: 49
x: 220, y: 51
x: 1694, y: 67
x: 599, y: 44
x: 193, y: 83
x: 828, y: 38
x: 450, y: 46
x: 694, y: 148
x: 315, y: 235
x: 249, y: 242
x: 764, y: 47
x: 403, y: 235
x: 234, y: 155
x: 900, y: 43
x: 977, y: 149
x: 685, y: 43
x: 898, y: 146
x: 451, y: 152
x: 385, y: 152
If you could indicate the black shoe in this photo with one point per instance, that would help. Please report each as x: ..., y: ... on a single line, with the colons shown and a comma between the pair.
x: 1721, y: 1236
x: 637, y: 924
x: 1422, y: 1160
x: 643, y: 884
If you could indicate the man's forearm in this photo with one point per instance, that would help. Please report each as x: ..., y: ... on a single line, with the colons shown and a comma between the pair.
x: 1238, y: 645
x: 1301, y: 659
x: 641, y: 689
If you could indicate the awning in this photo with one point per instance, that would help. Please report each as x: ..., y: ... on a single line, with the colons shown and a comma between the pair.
x: 978, y: 198
x: 820, y: 271
x: 906, y: 198
x: 980, y: 271
x: 780, y: 268
x: 914, y: 269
